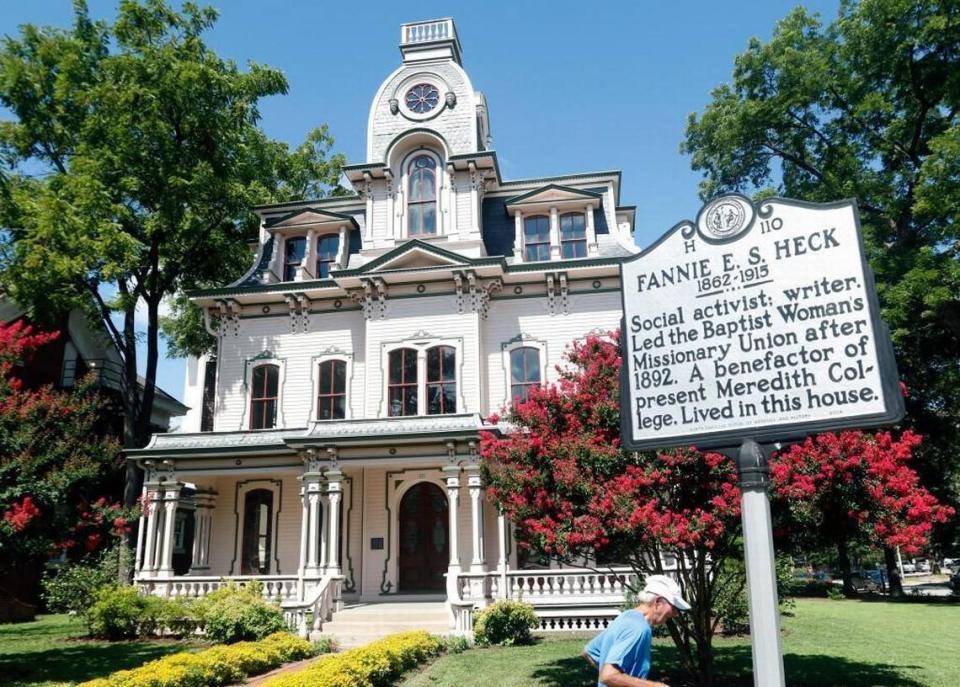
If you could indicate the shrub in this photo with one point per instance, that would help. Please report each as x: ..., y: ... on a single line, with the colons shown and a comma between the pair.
x: 73, y: 587
x: 117, y: 613
x: 121, y: 612
x: 219, y: 665
x: 505, y: 623
x: 456, y: 645
x: 378, y: 664
x: 233, y: 613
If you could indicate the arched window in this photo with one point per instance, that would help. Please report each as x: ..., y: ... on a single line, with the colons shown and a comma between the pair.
x: 327, y: 248
x: 332, y: 397
x: 402, y: 382
x: 524, y: 372
x: 573, y: 235
x: 263, y: 396
x: 257, y: 532
x: 441, y: 380
x: 536, y: 238
x: 422, y: 196
x: 293, y: 252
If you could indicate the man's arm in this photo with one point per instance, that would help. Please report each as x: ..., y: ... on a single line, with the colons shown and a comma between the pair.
x: 612, y: 676
x: 590, y: 659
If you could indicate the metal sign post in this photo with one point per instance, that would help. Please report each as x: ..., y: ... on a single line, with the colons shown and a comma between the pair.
x: 761, y: 571
x: 753, y: 325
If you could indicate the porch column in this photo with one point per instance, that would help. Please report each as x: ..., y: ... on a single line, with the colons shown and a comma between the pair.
x: 202, y: 524
x: 453, y: 506
x: 452, y: 473
x: 502, y: 563
x: 171, y: 498
x: 151, y: 506
x: 304, y: 527
x: 334, y: 493
x: 323, y: 518
x: 477, y: 563
x: 141, y: 532
x: 312, y: 484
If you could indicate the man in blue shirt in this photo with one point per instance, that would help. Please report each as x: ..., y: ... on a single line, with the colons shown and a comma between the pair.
x: 621, y: 653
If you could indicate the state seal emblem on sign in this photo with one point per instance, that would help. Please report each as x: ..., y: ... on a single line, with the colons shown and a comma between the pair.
x: 725, y: 217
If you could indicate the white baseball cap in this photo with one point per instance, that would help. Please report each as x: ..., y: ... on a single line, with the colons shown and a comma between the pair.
x: 666, y: 588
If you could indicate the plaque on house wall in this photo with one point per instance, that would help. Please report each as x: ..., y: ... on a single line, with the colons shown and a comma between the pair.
x: 757, y: 320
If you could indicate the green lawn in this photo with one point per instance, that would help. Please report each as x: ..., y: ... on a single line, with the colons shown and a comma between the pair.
x: 47, y: 653
x: 849, y: 643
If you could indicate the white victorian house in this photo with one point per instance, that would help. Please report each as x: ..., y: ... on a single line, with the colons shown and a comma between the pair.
x: 332, y: 446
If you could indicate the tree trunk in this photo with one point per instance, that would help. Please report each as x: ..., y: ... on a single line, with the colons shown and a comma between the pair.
x: 894, y: 584
x: 843, y: 557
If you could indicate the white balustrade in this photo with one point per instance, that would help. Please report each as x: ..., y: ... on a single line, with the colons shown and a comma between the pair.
x: 425, y: 32
x: 565, y: 599
x: 276, y: 588
x: 309, y: 616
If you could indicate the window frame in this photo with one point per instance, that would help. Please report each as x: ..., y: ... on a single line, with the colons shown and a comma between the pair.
x: 286, y: 262
x: 442, y: 382
x: 526, y: 385
x: 527, y: 245
x: 421, y: 346
x: 323, y: 396
x: 522, y: 340
x: 404, y: 385
x: 581, y: 241
x: 319, y: 262
x: 265, y: 358
x: 406, y: 185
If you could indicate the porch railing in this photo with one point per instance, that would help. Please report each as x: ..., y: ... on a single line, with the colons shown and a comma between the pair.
x: 564, y: 599
x: 276, y: 588
x: 321, y: 602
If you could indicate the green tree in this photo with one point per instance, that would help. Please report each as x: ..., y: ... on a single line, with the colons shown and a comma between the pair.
x: 133, y: 157
x: 865, y: 107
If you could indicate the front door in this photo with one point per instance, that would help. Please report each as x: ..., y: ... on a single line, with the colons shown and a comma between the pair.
x: 424, y: 541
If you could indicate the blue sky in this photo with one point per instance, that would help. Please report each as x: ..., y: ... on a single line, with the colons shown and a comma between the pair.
x: 571, y: 86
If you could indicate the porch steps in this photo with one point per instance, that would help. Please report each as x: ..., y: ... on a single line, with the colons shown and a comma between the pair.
x: 362, y: 623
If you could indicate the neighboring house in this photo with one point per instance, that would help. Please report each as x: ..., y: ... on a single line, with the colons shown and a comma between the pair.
x: 82, y: 349
x: 331, y: 448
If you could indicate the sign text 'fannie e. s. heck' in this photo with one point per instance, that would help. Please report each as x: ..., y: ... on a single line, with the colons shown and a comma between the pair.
x: 756, y: 321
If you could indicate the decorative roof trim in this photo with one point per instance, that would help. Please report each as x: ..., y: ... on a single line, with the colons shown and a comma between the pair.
x: 309, y: 202
x: 417, y: 244
x: 552, y: 187
x: 314, y: 211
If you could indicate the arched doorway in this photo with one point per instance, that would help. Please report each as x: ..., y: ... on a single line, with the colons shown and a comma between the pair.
x: 424, y: 539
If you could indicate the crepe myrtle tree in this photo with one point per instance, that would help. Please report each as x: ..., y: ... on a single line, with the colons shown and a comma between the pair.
x: 52, y: 458
x: 573, y: 493
x: 856, y: 488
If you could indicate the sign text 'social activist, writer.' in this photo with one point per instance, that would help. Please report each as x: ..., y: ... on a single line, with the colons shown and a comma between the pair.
x: 754, y: 321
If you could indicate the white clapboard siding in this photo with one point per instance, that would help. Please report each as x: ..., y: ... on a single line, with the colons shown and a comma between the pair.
x: 529, y: 316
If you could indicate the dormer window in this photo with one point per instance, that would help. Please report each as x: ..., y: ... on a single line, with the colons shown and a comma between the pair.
x: 327, y: 249
x: 422, y: 196
x: 573, y: 235
x: 536, y: 239
x: 294, y: 250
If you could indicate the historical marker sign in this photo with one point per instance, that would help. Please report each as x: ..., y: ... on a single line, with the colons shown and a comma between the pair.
x: 754, y: 321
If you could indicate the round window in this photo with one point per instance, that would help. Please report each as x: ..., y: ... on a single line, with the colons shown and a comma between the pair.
x: 422, y: 98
